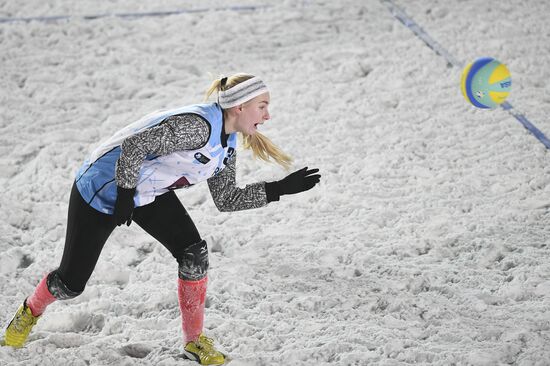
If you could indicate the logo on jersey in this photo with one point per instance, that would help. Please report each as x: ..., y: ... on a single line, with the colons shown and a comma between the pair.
x: 180, y: 183
x: 230, y: 153
x: 201, y: 158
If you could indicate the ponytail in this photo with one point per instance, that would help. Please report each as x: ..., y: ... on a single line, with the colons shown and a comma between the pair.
x: 264, y: 149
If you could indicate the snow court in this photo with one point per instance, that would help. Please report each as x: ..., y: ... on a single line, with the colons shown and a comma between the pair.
x: 426, y: 222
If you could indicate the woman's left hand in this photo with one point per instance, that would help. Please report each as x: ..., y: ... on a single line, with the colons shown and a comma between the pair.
x: 124, y: 206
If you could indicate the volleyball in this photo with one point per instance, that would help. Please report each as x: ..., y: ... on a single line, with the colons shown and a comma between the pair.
x: 486, y: 83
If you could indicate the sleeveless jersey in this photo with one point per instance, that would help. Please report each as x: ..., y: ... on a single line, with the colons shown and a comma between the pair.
x: 95, y: 179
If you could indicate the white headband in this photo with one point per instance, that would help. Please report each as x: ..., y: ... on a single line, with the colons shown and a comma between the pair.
x: 241, y: 92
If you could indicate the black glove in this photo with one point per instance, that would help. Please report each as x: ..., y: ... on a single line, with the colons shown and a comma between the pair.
x: 299, y: 181
x: 124, y: 205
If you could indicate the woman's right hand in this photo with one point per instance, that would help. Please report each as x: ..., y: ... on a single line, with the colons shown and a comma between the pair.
x: 299, y: 181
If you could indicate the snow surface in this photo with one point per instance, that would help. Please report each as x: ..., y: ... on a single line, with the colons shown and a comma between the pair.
x: 426, y: 243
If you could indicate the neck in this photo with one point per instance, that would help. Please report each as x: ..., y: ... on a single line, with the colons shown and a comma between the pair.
x: 229, y: 123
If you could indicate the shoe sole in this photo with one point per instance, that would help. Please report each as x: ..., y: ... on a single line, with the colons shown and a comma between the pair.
x: 191, y: 356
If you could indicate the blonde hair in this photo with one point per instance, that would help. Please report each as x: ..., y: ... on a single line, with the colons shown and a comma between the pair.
x: 261, y: 146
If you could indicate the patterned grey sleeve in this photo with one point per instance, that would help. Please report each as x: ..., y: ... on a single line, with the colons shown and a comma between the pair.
x: 180, y: 132
x: 228, y: 197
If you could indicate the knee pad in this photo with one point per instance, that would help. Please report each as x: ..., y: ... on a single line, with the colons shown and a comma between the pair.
x: 58, y: 289
x: 193, y: 262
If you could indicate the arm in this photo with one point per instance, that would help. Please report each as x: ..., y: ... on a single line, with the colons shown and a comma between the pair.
x: 228, y: 197
x: 180, y: 132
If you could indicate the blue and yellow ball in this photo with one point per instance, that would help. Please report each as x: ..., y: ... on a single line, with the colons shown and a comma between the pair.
x: 486, y: 83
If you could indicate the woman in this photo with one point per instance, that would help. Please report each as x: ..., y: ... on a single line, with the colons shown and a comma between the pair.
x: 131, y: 177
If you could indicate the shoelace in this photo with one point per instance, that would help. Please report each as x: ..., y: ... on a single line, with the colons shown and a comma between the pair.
x: 205, y: 349
x: 22, y: 322
x: 206, y: 346
x: 208, y: 341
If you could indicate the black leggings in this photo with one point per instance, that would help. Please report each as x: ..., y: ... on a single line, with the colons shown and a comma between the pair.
x: 88, y: 229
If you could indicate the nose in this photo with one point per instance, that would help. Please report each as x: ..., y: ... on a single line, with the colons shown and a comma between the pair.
x: 267, y: 116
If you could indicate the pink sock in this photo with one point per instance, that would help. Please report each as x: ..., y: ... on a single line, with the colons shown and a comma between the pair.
x: 191, y: 295
x: 41, y: 298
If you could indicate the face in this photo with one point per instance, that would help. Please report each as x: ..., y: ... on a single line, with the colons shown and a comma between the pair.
x: 253, y: 113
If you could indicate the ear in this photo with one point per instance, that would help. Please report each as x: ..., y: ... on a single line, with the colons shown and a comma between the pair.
x: 236, y: 109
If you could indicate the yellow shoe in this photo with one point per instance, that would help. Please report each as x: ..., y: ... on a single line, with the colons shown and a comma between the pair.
x: 20, y: 326
x: 203, y: 351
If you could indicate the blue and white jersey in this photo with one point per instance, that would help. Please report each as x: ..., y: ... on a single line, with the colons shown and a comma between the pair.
x: 158, y: 173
